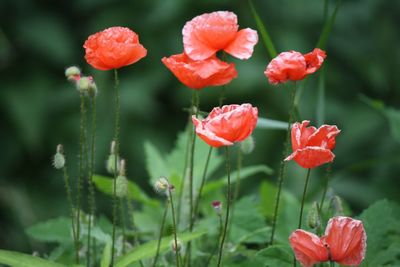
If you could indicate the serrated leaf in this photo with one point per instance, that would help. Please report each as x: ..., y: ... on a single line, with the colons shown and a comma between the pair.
x: 149, y: 249
x: 55, y: 230
x: 244, y: 173
x: 155, y: 163
x: 17, y: 259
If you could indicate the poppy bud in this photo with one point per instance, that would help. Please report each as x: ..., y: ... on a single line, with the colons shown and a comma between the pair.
x: 217, y: 205
x: 59, y: 159
x: 83, y: 84
x: 162, y: 185
x: 122, y: 167
x: 247, y: 145
x: 336, y: 206
x: 92, y: 90
x: 313, y: 220
x: 110, y: 166
x: 121, y: 186
x: 72, y: 73
x: 176, y: 247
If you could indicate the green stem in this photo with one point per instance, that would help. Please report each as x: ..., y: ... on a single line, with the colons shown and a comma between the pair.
x: 228, y: 200
x: 332, y: 264
x: 122, y: 210
x: 133, y: 224
x: 81, y: 166
x: 221, y: 227
x: 71, y: 205
x: 92, y: 200
x: 175, y: 229
x: 116, y: 139
x: 197, y: 202
x: 328, y: 173
x: 237, y: 187
x: 304, y: 197
x: 282, y: 169
x: 161, y: 234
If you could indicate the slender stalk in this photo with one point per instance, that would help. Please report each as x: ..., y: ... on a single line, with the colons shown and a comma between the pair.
x: 175, y: 229
x: 122, y: 210
x: 71, y: 205
x: 332, y: 264
x: 228, y: 200
x: 91, y: 198
x: 282, y: 169
x: 195, y: 104
x: 81, y: 166
x: 237, y: 186
x: 304, y: 197
x: 221, y: 227
x: 131, y: 216
x: 197, y: 202
x: 116, y: 139
x: 160, y: 235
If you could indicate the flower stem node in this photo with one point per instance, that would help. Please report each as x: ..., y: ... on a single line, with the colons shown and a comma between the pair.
x: 247, y: 145
x: 72, y: 73
x: 313, y: 219
x: 59, y: 159
x: 176, y: 247
x: 162, y: 185
x: 121, y: 186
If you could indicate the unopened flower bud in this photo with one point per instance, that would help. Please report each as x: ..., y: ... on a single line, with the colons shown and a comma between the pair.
x: 162, y: 185
x: 336, y: 206
x: 121, y: 186
x: 217, y: 205
x: 122, y: 167
x: 313, y: 220
x: 72, y: 73
x: 247, y: 145
x: 110, y: 165
x: 59, y: 159
x: 176, y: 247
x: 84, y: 84
x: 92, y: 90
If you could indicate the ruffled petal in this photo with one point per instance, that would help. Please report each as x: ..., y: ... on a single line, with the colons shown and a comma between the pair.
x: 209, y: 137
x: 346, y: 240
x: 308, y: 248
x: 311, y: 157
x: 314, y: 60
x: 243, y: 44
x: 324, y: 137
x: 286, y: 66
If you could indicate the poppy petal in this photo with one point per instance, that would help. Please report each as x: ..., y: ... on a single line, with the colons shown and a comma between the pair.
x: 308, y: 248
x: 311, y: 157
x: 243, y: 44
x: 208, y: 136
x: 346, y: 240
x: 324, y: 137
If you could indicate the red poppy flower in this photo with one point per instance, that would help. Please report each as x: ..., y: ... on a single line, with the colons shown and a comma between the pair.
x: 206, y: 34
x: 226, y: 125
x: 312, y: 147
x: 202, y: 73
x: 294, y: 66
x: 344, y: 242
x: 113, y: 48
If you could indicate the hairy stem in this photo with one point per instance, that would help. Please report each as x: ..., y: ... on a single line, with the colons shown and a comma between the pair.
x: 133, y: 225
x: 161, y: 233
x: 175, y: 229
x: 304, y: 197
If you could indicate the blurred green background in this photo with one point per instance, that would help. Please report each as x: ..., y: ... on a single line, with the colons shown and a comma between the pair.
x: 40, y: 109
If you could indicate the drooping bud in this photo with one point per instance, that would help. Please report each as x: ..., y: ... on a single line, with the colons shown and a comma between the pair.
x: 247, y: 145
x: 73, y: 73
x: 122, y: 167
x: 313, y: 219
x: 162, y: 185
x: 217, y: 205
x: 336, y: 206
x: 83, y: 84
x: 176, y: 246
x: 59, y: 159
x: 121, y: 186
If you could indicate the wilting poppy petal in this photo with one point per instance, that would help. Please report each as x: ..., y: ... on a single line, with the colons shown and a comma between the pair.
x: 346, y: 240
x: 202, y: 73
x: 113, y: 48
x: 209, y: 33
x: 293, y: 66
x: 312, y: 147
x: 243, y: 44
x: 308, y: 248
x: 227, y: 125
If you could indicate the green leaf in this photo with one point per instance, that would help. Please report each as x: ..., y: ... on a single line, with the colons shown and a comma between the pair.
x: 276, y: 255
x: 263, y: 123
x: 17, y: 259
x: 54, y: 230
x: 323, y: 39
x: 155, y: 163
x: 381, y: 225
x: 105, y: 185
x: 149, y: 249
x: 267, y: 41
x: 244, y: 173
x: 106, y: 257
